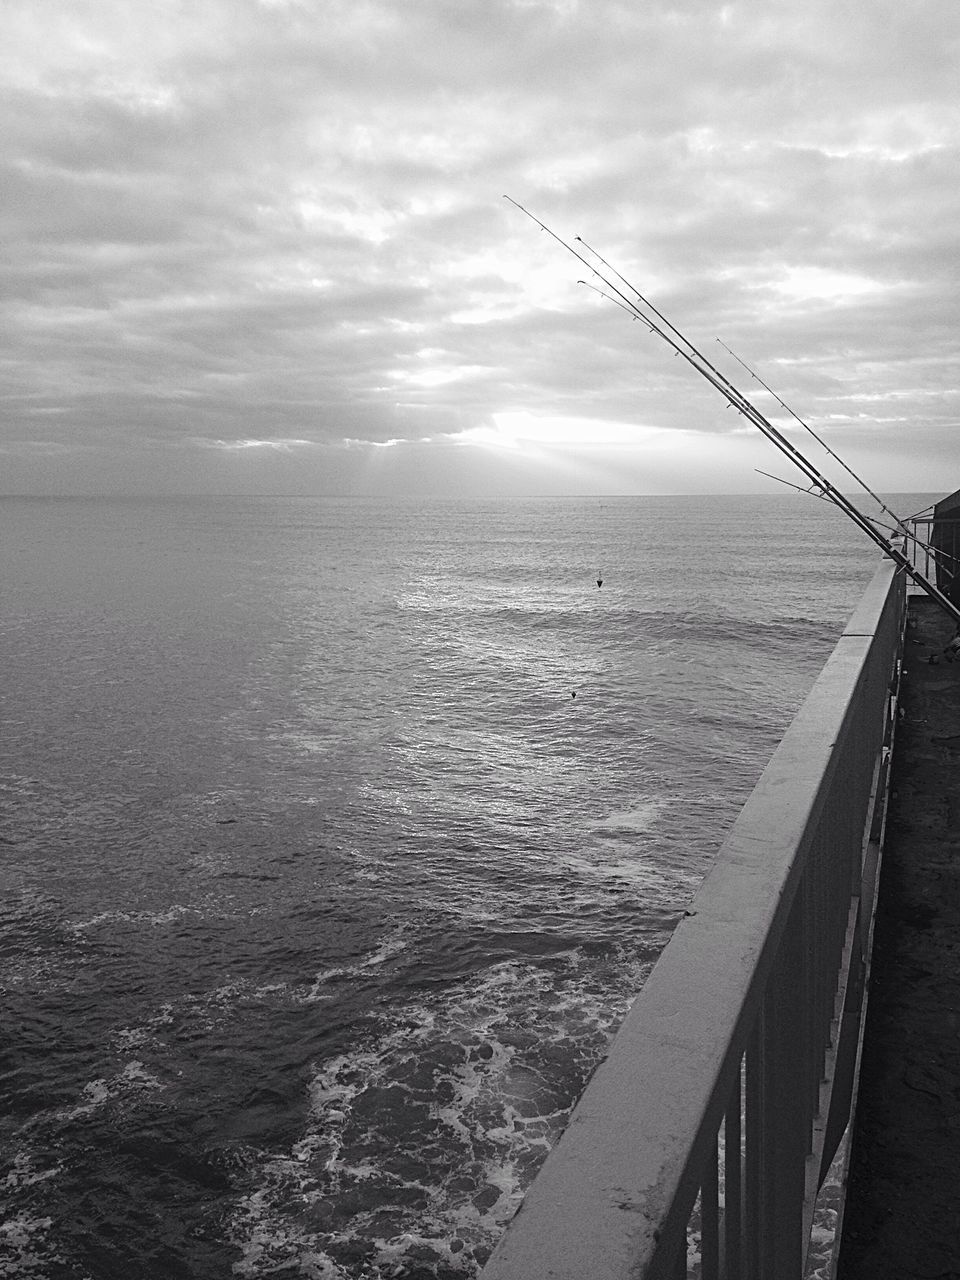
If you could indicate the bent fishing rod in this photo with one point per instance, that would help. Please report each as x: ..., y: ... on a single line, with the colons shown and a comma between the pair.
x: 682, y: 346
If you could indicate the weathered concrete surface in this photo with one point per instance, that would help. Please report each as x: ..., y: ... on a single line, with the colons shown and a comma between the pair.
x: 902, y: 1216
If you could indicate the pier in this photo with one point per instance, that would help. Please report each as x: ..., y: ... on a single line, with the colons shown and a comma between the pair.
x: 701, y: 1142
x: 901, y: 1218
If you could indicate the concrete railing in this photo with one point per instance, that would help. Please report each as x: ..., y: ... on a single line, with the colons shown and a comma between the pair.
x: 726, y: 1090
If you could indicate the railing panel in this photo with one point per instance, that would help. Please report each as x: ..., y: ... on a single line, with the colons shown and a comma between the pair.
x: 710, y: 1219
x: 749, y: 978
x: 733, y: 1179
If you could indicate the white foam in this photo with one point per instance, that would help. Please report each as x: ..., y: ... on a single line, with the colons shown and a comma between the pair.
x: 420, y: 1141
x: 23, y: 1241
x: 641, y: 817
x: 313, y: 744
x: 133, y: 1080
x: 127, y: 1038
x: 387, y: 949
x: 167, y: 916
x: 24, y: 1173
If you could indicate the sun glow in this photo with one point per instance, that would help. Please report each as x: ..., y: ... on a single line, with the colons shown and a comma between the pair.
x: 619, y: 457
x: 516, y: 429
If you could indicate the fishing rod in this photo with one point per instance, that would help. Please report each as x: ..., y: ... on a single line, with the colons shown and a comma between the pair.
x: 901, y: 528
x: 692, y: 354
x: 685, y: 348
x: 820, y: 441
x: 707, y: 370
x: 631, y: 311
x: 811, y: 492
x: 624, y: 300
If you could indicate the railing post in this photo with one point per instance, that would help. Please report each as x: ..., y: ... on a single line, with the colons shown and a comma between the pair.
x: 733, y: 1179
x: 710, y: 1218
x: 754, y: 1172
x: 786, y: 1131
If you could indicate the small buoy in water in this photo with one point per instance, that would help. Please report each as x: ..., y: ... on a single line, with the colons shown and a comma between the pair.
x: 599, y: 582
x: 573, y: 693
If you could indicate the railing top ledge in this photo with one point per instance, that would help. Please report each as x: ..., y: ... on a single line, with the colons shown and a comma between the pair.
x: 869, y: 609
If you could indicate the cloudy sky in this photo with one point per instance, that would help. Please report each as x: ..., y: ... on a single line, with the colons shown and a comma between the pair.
x: 261, y: 245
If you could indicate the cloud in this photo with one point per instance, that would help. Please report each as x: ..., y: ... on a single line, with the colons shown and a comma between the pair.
x: 281, y: 220
x: 279, y: 445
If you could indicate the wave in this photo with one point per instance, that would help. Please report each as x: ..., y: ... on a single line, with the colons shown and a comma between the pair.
x: 420, y: 1141
x: 360, y: 968
x: 641, y: 817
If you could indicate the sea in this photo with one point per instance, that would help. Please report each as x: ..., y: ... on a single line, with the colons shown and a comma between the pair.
x: 336, y: 837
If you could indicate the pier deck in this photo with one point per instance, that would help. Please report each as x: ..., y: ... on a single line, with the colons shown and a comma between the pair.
x: 902, y: 1218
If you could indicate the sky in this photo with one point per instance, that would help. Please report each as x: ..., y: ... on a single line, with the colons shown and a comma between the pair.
x: 261, y: 246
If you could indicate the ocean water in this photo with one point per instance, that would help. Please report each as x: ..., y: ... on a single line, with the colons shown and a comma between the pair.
x: 336, y: 838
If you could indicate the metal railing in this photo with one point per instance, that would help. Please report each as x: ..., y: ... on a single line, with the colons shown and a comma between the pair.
x: 919, y: 547
x: 934, y: 547
x: 728, y: 1086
